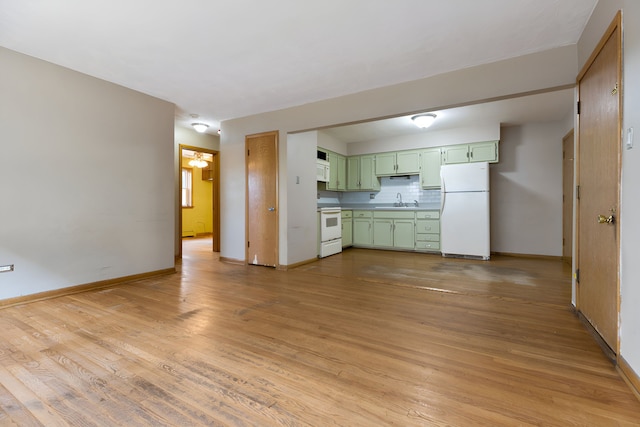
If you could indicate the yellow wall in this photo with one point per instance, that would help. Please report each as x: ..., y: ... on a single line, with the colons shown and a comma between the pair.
x: 199, y: 218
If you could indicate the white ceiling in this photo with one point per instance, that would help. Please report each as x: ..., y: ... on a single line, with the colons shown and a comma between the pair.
x: 228, y: 59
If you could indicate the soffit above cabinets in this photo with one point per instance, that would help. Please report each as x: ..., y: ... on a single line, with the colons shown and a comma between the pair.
x: 543, y: 107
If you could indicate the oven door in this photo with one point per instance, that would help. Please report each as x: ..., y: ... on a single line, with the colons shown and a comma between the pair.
x: 331, y: 225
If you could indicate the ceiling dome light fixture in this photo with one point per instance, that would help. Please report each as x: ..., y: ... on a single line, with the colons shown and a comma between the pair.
x: 198, y: 161
x: 424, y: 120
x: 200, y: 127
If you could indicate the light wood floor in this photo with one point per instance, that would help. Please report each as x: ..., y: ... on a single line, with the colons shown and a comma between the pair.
x: 364, y: 338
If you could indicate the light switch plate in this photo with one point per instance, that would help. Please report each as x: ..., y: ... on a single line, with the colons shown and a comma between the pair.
x: 629, y: 139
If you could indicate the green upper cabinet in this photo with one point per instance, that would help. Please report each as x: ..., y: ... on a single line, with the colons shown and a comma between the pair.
x: 368, y: 178
x: 430, y: 168
x: 465, y: 153
x: 342, y: 173
x: 398, y: 163
x: 337, y: 172
x: 484, y: 152
x: 385, y: 164
x: 353, y: 173
x: 455, y: 154
x: 360, y: 173
x: 408, y: 162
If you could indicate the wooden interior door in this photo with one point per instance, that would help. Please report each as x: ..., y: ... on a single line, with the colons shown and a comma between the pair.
x: 262, y: 198
x: 599, y: 92
x: 567, y: 196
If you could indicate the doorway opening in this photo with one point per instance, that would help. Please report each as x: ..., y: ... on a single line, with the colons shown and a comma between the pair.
x: 199, y: 181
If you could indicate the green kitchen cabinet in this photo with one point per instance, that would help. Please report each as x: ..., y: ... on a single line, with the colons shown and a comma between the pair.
x: 362, y: 230
x: 430, y: 168
x: 347, y: 228
x: 484, y: 152
x: 368, y: 178
x: 408, y: 162
x: 353, y: 173
x: 385, y: 164
x: 383, y: 232
x: 428, y: 231
x: 453, y: 154
x: 398, y: 163
x: 393, y: 229
x: 360, y: 173
x: 337, y: 172
x: 404, y: 233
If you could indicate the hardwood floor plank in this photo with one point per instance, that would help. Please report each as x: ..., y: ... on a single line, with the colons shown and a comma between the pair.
x: 357, y: 339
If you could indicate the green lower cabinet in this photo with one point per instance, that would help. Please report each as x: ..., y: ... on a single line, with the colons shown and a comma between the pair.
x: 403, y: 234
x: 383, y: 233
x: 394, y: 230
x: 401, y: 230
x: 428, y: 231
x: 362, y: 231
x: 347, y: 229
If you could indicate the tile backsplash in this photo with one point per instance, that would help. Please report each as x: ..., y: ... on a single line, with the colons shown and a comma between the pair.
x: 407, y: 186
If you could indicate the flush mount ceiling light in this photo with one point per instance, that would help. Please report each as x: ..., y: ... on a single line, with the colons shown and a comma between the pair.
x: 200, y: 127
x: 424, y: 120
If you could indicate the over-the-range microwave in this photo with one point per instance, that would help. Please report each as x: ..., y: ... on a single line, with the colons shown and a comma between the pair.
x: 322, y: 170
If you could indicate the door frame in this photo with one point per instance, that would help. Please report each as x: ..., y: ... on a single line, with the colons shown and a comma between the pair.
x: 616, y: 23
x: 569, y: 197
x: 276, y: 134
x: 215, y: 197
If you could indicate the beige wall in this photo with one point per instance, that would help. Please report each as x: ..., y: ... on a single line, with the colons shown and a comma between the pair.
x: 85, y: 178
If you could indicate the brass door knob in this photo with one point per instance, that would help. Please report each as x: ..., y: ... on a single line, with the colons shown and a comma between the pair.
x: 606, y: 219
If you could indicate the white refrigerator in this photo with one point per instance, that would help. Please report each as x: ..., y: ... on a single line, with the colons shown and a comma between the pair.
x: 464, y: 211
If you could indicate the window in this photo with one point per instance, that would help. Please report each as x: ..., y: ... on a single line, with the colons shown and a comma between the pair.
x: 187, y: 188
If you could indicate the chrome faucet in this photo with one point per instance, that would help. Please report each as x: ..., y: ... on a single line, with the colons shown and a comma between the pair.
x: 399, y: 199
x: 415, y: 203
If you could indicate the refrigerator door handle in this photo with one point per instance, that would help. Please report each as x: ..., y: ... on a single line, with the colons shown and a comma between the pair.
x: 443, y: 191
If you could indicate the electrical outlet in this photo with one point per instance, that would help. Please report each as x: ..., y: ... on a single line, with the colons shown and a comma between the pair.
x: 6, y: 268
